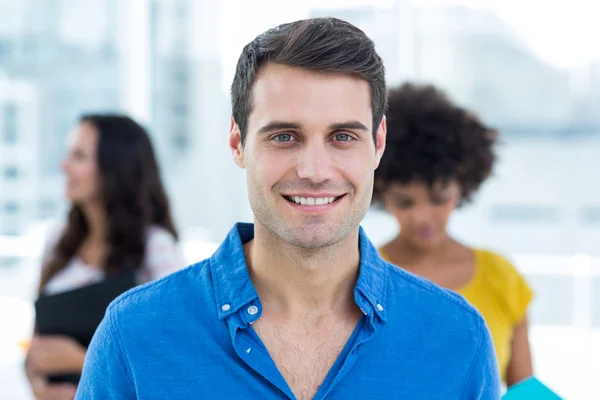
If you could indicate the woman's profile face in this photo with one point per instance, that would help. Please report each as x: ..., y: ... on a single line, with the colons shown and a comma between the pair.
x: 80, y: 165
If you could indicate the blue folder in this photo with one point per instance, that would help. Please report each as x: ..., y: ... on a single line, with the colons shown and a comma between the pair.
x: 530, y: 389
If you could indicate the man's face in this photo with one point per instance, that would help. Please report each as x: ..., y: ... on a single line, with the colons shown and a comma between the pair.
x: 309, y: 154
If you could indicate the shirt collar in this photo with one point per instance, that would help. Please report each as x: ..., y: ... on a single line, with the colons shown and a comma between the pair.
x: 234, y: 289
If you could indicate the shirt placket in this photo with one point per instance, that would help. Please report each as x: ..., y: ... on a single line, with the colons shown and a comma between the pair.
x: 249, y: 348
x: 367, y: 332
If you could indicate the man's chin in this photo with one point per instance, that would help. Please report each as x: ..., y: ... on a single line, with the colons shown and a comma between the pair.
x: 311, y: 240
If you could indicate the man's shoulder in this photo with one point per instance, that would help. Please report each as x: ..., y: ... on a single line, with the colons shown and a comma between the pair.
x: 167, y: 294
x: 429, y: 300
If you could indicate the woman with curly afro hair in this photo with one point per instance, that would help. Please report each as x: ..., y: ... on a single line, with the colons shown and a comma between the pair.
x: 436, y: 158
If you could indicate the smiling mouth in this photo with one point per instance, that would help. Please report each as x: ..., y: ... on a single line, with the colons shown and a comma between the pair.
x: 312, y: 201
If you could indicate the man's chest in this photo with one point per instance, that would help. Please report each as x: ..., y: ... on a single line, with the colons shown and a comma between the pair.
x: 305, y: 353
x: 380, y: 368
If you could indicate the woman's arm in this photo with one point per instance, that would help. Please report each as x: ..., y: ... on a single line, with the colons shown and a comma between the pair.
x: 49, y: 355
x: 520, y: 366
x: 54, y: 354
x: 29, y: 370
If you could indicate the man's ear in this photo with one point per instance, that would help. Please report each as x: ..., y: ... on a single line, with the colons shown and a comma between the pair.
x: 380, y: 138
x: 235, y: 144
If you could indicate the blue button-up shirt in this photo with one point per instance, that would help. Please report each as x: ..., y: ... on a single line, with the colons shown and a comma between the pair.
x: 190, y: 336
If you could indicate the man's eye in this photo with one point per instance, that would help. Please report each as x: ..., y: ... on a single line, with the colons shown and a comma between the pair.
x: 284, y: 137
x: 343, y: 137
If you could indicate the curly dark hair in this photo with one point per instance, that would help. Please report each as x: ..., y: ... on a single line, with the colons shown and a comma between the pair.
x: 431, y: 139
x: 327, y: 45
x: 133, y: 195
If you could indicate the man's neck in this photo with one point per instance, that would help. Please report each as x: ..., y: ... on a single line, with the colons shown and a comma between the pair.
x: 294, y: 281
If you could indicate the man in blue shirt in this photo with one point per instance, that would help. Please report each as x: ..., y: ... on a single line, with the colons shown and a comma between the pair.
x: 298, y: 305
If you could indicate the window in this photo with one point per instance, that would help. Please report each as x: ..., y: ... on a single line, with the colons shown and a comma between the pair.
x: 180, y: 141
x: 548, y: 308
x: 9, y: 128
x: 524, y: 214
x: 596, y: 301
x: 180, y: 76
x: 179, y: 110
x: 47, y: 208
x: 9, y: 262
x: 590, y: 216
x: 10, y: 172
x: 11, y: 207
x: 5, y: 50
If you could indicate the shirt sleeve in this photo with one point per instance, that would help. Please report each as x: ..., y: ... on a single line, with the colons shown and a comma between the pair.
x: 483, y: 379
x: 106, y: 372
x: 162, y: 254
x: 517, y: 291
x: 522, y: 294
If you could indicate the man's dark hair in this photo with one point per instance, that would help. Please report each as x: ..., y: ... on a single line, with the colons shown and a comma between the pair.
x: 430, y: 139
x: 327, y: 45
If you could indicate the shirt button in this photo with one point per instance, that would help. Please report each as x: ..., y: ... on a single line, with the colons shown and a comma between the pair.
x: 379, y: 307
x: 225, y: 307
x: 252, y: 310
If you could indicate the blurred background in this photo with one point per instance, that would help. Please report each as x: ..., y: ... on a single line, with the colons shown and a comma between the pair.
x: 530, y: 68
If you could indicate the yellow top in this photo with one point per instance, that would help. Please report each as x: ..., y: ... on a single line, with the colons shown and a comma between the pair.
x: 501, y: 294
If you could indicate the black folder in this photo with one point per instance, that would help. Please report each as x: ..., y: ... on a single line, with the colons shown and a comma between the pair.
x: 77, y: 313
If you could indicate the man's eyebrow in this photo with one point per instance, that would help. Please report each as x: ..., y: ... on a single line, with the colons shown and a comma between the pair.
x: 282, y: 125
x: 352, y: 125
x: 278, y: 126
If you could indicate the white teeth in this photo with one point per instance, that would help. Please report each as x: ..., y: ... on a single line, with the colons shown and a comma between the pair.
x: 311, y: 201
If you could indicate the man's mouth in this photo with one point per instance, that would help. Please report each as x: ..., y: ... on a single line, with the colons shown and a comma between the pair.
x: 313, y: 201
